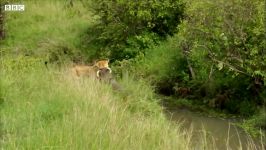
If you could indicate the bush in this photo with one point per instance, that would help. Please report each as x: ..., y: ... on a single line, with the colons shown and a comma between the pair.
x: 247, y: 108
x: 257, y: 121
x: 229, y: 34
x: 127, y: 27
x: 225, y: 43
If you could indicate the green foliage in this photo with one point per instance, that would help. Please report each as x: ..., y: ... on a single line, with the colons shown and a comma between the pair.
x: 158, y: 64
x: 247, y: 108
x: 202, y: 44
x: 21, y: 63
x: 139, y: 97
x: 256, y: 122
x: 127, y: 27
x: 231, y: 34
x: 224, y: 41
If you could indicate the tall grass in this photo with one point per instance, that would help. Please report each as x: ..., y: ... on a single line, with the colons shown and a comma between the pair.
x: 49, y: 109
x: 43, y: 109
x: 45, y: 26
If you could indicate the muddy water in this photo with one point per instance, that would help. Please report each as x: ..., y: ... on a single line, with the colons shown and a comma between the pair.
x: 223, y: 134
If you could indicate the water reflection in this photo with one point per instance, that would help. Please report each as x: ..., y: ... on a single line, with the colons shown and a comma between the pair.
x: 221, y: 133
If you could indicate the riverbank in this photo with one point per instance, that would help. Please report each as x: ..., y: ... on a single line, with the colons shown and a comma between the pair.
x: 172, y: 103
x: 224, y: 133
x: 43, y: 108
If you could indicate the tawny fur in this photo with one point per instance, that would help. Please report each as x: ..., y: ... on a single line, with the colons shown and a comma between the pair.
x: 91, y: 71
x: 103, y: 64
x: 84, y: 71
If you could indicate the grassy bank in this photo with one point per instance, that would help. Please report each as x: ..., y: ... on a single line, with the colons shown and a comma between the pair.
x: 165, y: 67
x: 50, y: 109
x: 46, y: 29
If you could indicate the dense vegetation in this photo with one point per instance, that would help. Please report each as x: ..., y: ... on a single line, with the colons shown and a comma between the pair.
x: 210, y: 53
x: 218, y: 57
x: 126, y: 28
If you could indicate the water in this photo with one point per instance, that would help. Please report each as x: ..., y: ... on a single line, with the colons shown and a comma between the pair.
x: 222, y: 132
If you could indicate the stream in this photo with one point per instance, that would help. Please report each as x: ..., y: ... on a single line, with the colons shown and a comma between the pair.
x: 223, y: 132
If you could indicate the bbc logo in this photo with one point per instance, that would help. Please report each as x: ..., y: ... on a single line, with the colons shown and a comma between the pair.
x: 14, y: 7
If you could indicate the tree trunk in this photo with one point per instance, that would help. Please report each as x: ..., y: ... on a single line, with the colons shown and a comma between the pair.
x: 2, y: 33
x: 190, y: 69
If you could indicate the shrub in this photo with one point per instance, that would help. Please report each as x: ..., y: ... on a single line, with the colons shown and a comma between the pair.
x: 247, y: 108
x: 127, y: 27
x: 225, y: 43
x: 228, y: 34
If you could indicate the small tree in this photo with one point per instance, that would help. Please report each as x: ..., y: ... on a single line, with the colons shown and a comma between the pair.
x: 230, y: 33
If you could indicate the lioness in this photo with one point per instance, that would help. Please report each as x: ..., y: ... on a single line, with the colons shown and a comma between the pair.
x: 103, y: 64
x: 91, y: 71
x: 83, y: 70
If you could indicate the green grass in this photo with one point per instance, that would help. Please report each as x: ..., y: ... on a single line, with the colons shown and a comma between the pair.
x: 49, y: 109
x: 158, y: 64
x: 45, y: 109
x: 45, y: 26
